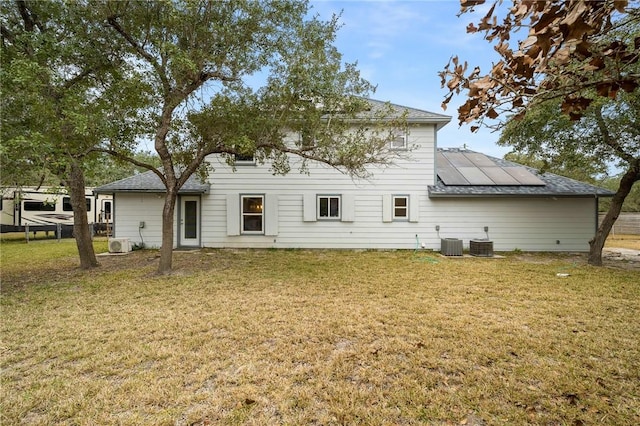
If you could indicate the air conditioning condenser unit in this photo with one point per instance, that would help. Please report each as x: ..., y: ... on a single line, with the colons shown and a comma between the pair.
x: 451, y: 247
x: 119, y: 245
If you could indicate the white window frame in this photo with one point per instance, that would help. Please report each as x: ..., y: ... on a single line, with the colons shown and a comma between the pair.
x: 244, y: 215
x: 399, y: 136
x: 394, y: 207
x: 329, y: 197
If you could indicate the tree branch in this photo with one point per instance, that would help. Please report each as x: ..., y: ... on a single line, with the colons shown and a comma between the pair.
x: 27, y: 16
x: 113, y: 22
x: 131, y: 160
x: 6, y: 34
x: 610, y: 141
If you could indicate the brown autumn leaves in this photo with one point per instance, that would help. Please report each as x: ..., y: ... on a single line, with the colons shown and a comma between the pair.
x: 573, y: 50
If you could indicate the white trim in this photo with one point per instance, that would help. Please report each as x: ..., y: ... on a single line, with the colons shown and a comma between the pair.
x: 414, y: 207
x: 329, y: 197
x: 387, y: 208
x: 309, y: 207
x: 183, y: 241
x: 347, y: 208
x: 233, y: 215
x: 399, y: 136
x: 395, y: 197
x: 270, y: 218
x: 252, y: 214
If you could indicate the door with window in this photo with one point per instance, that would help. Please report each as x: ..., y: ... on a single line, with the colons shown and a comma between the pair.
x: 189, y: 221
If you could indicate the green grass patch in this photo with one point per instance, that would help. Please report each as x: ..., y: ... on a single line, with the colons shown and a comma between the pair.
x: 317, y: 337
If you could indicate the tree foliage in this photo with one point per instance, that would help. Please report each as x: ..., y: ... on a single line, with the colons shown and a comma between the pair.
x: 48, y: 110
x: 606, y: 135
x: 197, y: 59
x: 60, y: 76
x: 632, y: 200
x: 563, y: 56
x: 568, y: 93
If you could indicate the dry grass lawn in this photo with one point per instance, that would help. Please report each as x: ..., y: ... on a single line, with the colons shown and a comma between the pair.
x: 624, y: 241
x: 317, y: 337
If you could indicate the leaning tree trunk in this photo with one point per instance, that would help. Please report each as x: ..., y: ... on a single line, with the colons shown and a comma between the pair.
x: 166, y: 249
x: 597, y: 243
x: 81, y: 230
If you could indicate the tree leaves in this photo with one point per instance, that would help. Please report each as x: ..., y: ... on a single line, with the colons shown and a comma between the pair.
x: 196, y: 60
x: 562, y: 56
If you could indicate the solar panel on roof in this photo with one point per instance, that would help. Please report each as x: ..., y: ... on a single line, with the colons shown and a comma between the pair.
x: 450, y: 176
x: 475, y: 176
x: 524, y: 176
x: 475, y: 169
x: 448, y: 173
x: 479, y: 160
x: 499, y: 176
x: 458, y: 159
x: 442, y: 160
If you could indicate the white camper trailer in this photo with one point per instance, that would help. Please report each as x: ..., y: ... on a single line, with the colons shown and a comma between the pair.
x: 49, y: 206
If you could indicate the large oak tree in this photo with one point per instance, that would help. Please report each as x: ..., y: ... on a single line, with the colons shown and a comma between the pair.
x: 200, y: 61
x: 56, y: 75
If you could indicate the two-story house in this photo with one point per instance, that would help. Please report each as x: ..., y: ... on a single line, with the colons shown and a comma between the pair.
x: 427, y: 195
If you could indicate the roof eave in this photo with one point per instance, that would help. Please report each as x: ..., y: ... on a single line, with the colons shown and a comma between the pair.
x: 515, y: 195
x: 148, y: 191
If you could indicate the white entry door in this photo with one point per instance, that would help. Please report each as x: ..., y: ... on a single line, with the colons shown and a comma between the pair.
x: 189, y: 221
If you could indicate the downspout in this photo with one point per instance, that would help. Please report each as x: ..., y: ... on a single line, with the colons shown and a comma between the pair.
x: 597, y: 213
x: 435, y: 154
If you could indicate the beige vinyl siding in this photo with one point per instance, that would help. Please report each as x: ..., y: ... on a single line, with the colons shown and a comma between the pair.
x: 290, y: 212
x: 294, y: 222
x: 529, y: 224
x: 131, y: 209
x: 366, y: 231
x: 534, y: 224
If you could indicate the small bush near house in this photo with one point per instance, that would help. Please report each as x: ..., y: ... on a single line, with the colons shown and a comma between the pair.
x: 317, y: 337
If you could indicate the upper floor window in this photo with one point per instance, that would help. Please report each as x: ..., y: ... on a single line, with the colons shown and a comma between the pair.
x: 399, y: 140
x: 252, y: 215
x: 244, y: 159
x: 328, y: 207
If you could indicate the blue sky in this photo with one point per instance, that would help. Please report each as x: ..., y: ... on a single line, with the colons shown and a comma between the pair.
x: 401, y: 45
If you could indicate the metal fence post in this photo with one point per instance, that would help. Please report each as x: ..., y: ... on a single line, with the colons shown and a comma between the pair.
x: 26, y: 233
x: 59, y: 231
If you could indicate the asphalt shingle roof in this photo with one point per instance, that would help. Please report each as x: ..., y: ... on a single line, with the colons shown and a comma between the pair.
x: 554, y: 185
x: 414, y: 115
x: 150, y: 182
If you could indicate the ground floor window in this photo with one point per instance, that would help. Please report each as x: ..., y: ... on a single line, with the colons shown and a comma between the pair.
x: 328, y: 207
x: 400, y: 207
x: 252, y: 214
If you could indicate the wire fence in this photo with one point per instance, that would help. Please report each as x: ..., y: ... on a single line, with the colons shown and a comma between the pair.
x: 627, y: 224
